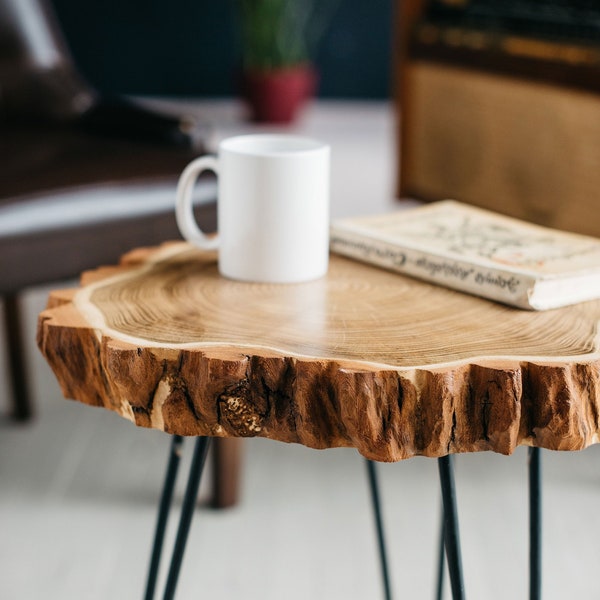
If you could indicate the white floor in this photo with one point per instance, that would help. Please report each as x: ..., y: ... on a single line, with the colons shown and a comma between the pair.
x: 79, y: 489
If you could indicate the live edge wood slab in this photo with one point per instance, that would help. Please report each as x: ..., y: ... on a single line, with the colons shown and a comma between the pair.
x: 362, y: 358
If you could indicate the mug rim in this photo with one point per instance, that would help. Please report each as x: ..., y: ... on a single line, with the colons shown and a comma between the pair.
x: 271, y: 144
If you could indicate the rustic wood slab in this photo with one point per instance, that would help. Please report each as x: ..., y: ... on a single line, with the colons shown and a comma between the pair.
x: 362, y: 358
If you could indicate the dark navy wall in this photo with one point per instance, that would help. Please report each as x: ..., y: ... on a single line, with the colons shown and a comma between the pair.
x: 190, y: 47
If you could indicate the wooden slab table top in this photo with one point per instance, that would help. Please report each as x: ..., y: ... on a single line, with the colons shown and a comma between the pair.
x: 362, y: 358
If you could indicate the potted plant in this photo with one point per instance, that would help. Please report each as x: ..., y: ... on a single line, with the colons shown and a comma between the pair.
x: 279, y: 38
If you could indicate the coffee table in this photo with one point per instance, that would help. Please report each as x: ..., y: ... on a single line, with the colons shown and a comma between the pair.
x: 362, y: 358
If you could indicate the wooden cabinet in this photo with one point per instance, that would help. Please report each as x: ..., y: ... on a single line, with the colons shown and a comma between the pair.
x: 508, y: 121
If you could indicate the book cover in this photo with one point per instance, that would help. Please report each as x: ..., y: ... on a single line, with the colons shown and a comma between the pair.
x: 478, y: 252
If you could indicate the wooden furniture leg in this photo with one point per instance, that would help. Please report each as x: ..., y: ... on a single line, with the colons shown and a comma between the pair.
x: 227, y: 465
x: 22, y: 408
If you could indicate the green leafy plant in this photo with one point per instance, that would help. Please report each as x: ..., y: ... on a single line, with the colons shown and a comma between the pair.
x: 282, y: 33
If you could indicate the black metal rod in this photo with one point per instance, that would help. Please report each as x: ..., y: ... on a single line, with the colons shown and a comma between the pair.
x: 163, y: 514
x: 439, y: 592
x: 187, y: 511
x: 376, y: 502
x: 535, y: 524
x: 451, y: 533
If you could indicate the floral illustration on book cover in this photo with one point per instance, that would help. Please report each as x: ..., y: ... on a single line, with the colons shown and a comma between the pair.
x: 468, y: 233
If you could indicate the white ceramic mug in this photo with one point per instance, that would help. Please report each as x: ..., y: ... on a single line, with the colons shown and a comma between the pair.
x: 272, y: 208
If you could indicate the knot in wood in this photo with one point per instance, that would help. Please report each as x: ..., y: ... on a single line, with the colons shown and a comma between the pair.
x: 239, y: 413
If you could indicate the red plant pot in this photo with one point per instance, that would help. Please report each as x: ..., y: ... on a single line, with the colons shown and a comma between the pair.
x: 275, y: 96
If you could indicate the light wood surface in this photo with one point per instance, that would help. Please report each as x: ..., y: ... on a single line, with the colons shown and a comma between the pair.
x: 364, y: 358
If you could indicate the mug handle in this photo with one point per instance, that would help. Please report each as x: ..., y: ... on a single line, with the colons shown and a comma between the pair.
x: 184, y: 212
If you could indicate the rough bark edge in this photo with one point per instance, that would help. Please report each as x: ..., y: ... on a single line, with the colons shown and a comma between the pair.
x: 387, y: 415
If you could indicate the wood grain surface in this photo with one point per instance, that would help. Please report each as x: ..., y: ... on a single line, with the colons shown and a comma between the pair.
x: 363, y: 358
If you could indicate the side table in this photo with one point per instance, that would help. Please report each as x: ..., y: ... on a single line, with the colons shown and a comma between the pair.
x: 362, y: 358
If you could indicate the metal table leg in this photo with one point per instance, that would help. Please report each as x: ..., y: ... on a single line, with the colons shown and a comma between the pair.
x: 535, y: 531
x: 376, y: 501
x: 535, y: 524
x: 451, y: 533
x: 439, y: 591
x: 187, y: 510
x: 163, y: 514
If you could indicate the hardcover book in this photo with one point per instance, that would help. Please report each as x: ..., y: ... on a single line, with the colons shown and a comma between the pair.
x: 477, y: 251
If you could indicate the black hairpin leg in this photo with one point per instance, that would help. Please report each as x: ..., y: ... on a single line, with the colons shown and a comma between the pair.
x: 535, y: 524
x: 163, y: 514
x: 187, y: 510
x: 375, y: 499
x: 451, y: 534
x: 439, y: 592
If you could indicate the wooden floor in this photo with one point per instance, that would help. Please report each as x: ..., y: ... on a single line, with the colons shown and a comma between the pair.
x: 79, y: 489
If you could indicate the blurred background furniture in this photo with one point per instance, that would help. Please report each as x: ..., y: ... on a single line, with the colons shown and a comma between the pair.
x: 501, y: 107
x: 94, y: 199
x: 84, y: 179
x: 58, y: 136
